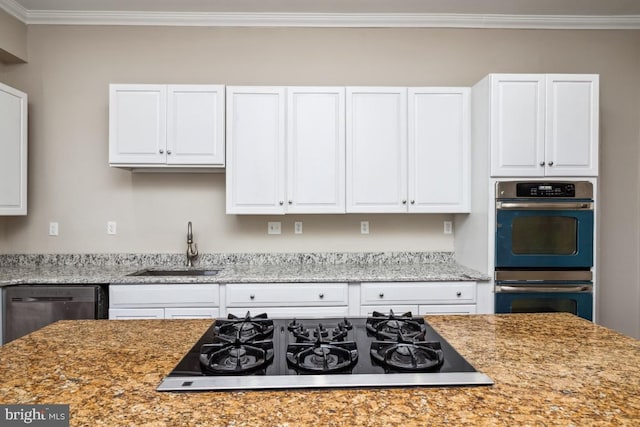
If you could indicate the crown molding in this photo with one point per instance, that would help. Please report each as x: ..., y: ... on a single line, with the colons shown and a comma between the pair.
x: 358, y: 20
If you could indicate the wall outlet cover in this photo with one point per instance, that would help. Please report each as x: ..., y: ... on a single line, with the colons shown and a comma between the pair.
x: 274, y: 227
x: 53, y: 229
x: 364, y: 227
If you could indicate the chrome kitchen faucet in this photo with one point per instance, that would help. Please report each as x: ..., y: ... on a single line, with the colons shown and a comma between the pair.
x: 192, y: 248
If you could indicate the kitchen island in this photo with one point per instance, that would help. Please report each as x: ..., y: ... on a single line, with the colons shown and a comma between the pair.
x: 548, y: 369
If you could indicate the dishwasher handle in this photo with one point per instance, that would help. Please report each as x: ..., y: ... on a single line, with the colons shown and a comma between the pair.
x: 41, y: 299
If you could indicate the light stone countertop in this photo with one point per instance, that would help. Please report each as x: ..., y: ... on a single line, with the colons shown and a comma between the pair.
x: 87, y: 269
x: 548, y: 369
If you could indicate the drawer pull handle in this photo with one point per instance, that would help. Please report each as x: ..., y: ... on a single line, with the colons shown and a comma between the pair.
x: 252, y: 296
x: 458, y: 294
x: 321, y: 295
x: 381, y: 294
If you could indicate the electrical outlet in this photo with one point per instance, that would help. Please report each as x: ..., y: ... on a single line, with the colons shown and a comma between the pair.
x: 53, y: 229
x: 297, y: 227
x: 111, y: 227
x: 274, y: 227
x: 448, y: 227
x: 364, y: 227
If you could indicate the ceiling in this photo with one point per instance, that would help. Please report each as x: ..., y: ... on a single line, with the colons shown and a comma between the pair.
x: 624, y: 14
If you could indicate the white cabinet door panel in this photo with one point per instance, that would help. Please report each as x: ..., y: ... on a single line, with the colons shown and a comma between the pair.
x: 376, y: 149
x: 287, y: 294
x: 255, y: 175
x: 447, y: 309
x: 195, y: 125
x: 191, y: 313
x: 166, y: 295
x: 418, y: 293
x: 439, y: 145
x: 13, y: 151
x: 572, y: 125
x: 135, y: 313
x: 293, y: 311
x: 517, y: 124
x: 137, y: 123
x: 315, y: 150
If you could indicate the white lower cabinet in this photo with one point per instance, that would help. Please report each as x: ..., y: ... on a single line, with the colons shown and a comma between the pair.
x: 166, y: 301
x: 288, y: 299
x: 418, y: 297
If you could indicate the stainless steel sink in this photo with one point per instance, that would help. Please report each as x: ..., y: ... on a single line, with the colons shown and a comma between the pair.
x: 186, y: 272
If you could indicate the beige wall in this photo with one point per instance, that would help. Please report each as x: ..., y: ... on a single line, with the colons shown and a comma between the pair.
x: 70, y: 182
x: 13, y: 39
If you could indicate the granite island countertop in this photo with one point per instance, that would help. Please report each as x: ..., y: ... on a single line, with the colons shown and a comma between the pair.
x: 252, y: 268
x: 548, y: 369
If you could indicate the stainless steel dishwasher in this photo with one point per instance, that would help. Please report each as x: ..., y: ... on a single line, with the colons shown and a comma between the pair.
x: 30, y: 307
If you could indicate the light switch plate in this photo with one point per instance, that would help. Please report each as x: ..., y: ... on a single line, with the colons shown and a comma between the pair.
x: 111, y: 227
x: 53, y: 229
x: 364, y: 227
x: 448, y: 227
x: 274, y: 227
x: 297, y: 227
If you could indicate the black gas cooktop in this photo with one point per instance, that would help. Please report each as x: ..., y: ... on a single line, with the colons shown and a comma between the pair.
x: 384, y: 350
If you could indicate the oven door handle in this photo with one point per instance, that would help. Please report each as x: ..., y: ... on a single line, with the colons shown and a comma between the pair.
x: 563, y: 206
x: 541, y: 289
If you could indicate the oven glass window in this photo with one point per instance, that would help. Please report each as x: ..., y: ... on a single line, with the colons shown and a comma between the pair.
x: 544, y: 235
x: 544, y: 305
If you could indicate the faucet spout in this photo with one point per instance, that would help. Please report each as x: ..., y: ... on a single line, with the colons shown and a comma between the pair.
x: 192, y: 248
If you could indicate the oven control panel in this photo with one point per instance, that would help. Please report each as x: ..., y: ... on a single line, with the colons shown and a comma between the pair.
x: 545, y: 189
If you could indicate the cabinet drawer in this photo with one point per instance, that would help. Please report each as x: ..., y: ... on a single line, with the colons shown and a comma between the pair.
x: 135, y: 313
x: 390, y: 293
x: 293, y: 312
x: 286, y: 294
x: 176, y: 295
x: 191, y: 313
x: 447, y: 309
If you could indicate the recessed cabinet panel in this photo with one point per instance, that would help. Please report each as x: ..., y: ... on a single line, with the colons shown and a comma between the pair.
x: 255, y: 146
x: 315, y: 150
x: 517, y: 125
x: 195, y: 125
x: 137, y: 123
x: 439, y: 138
x: 572, y: 124
x: 376, y: 149
x: 13, y: 151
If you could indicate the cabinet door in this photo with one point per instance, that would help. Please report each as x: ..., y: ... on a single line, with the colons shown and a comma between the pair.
x: 13, y: 151
x: 315, y: 150
x: 137, y: 124
x: 255, y: 150
x: 572, y: 125
x: 517, y: 124
x: 438, y: 157
x: 195, y: 124
x: 376, y: 149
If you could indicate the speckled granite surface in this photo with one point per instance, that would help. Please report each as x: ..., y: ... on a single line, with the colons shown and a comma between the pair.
x: 236, y: 268
x: 548, y: 369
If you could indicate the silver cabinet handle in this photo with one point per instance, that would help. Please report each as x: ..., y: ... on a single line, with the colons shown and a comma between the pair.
x: 161, y: 151
x: 550, y: 163
x: 542, y: 163
x: 381, y: 294
x: 321, y: 295
x: 252, y: 296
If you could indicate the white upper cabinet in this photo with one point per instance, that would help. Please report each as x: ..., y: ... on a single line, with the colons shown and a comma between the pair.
x: 439, y: 147
x: 166, y: 125
x: 13, y: 151
x: 543, y: 125
x: 376, y: 149
x: 255, y: 175
x: 285, y: 150
x: 315, y: 150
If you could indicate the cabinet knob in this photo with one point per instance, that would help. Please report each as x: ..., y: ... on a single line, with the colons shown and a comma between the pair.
x: 541, y: 163
x: 458, y: 294
x: 281, y: 202
x: 161, y: 151
x: 404, y: 202
x: 168, y: 151
x: 321, y: 295
x: 413, y: 202
x: 290, y: 202
x: 550, y: 163
x: 252, y: 296
x: 381, y: 294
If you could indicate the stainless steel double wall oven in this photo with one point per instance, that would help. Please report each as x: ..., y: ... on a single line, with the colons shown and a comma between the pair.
x: 544, y: 247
